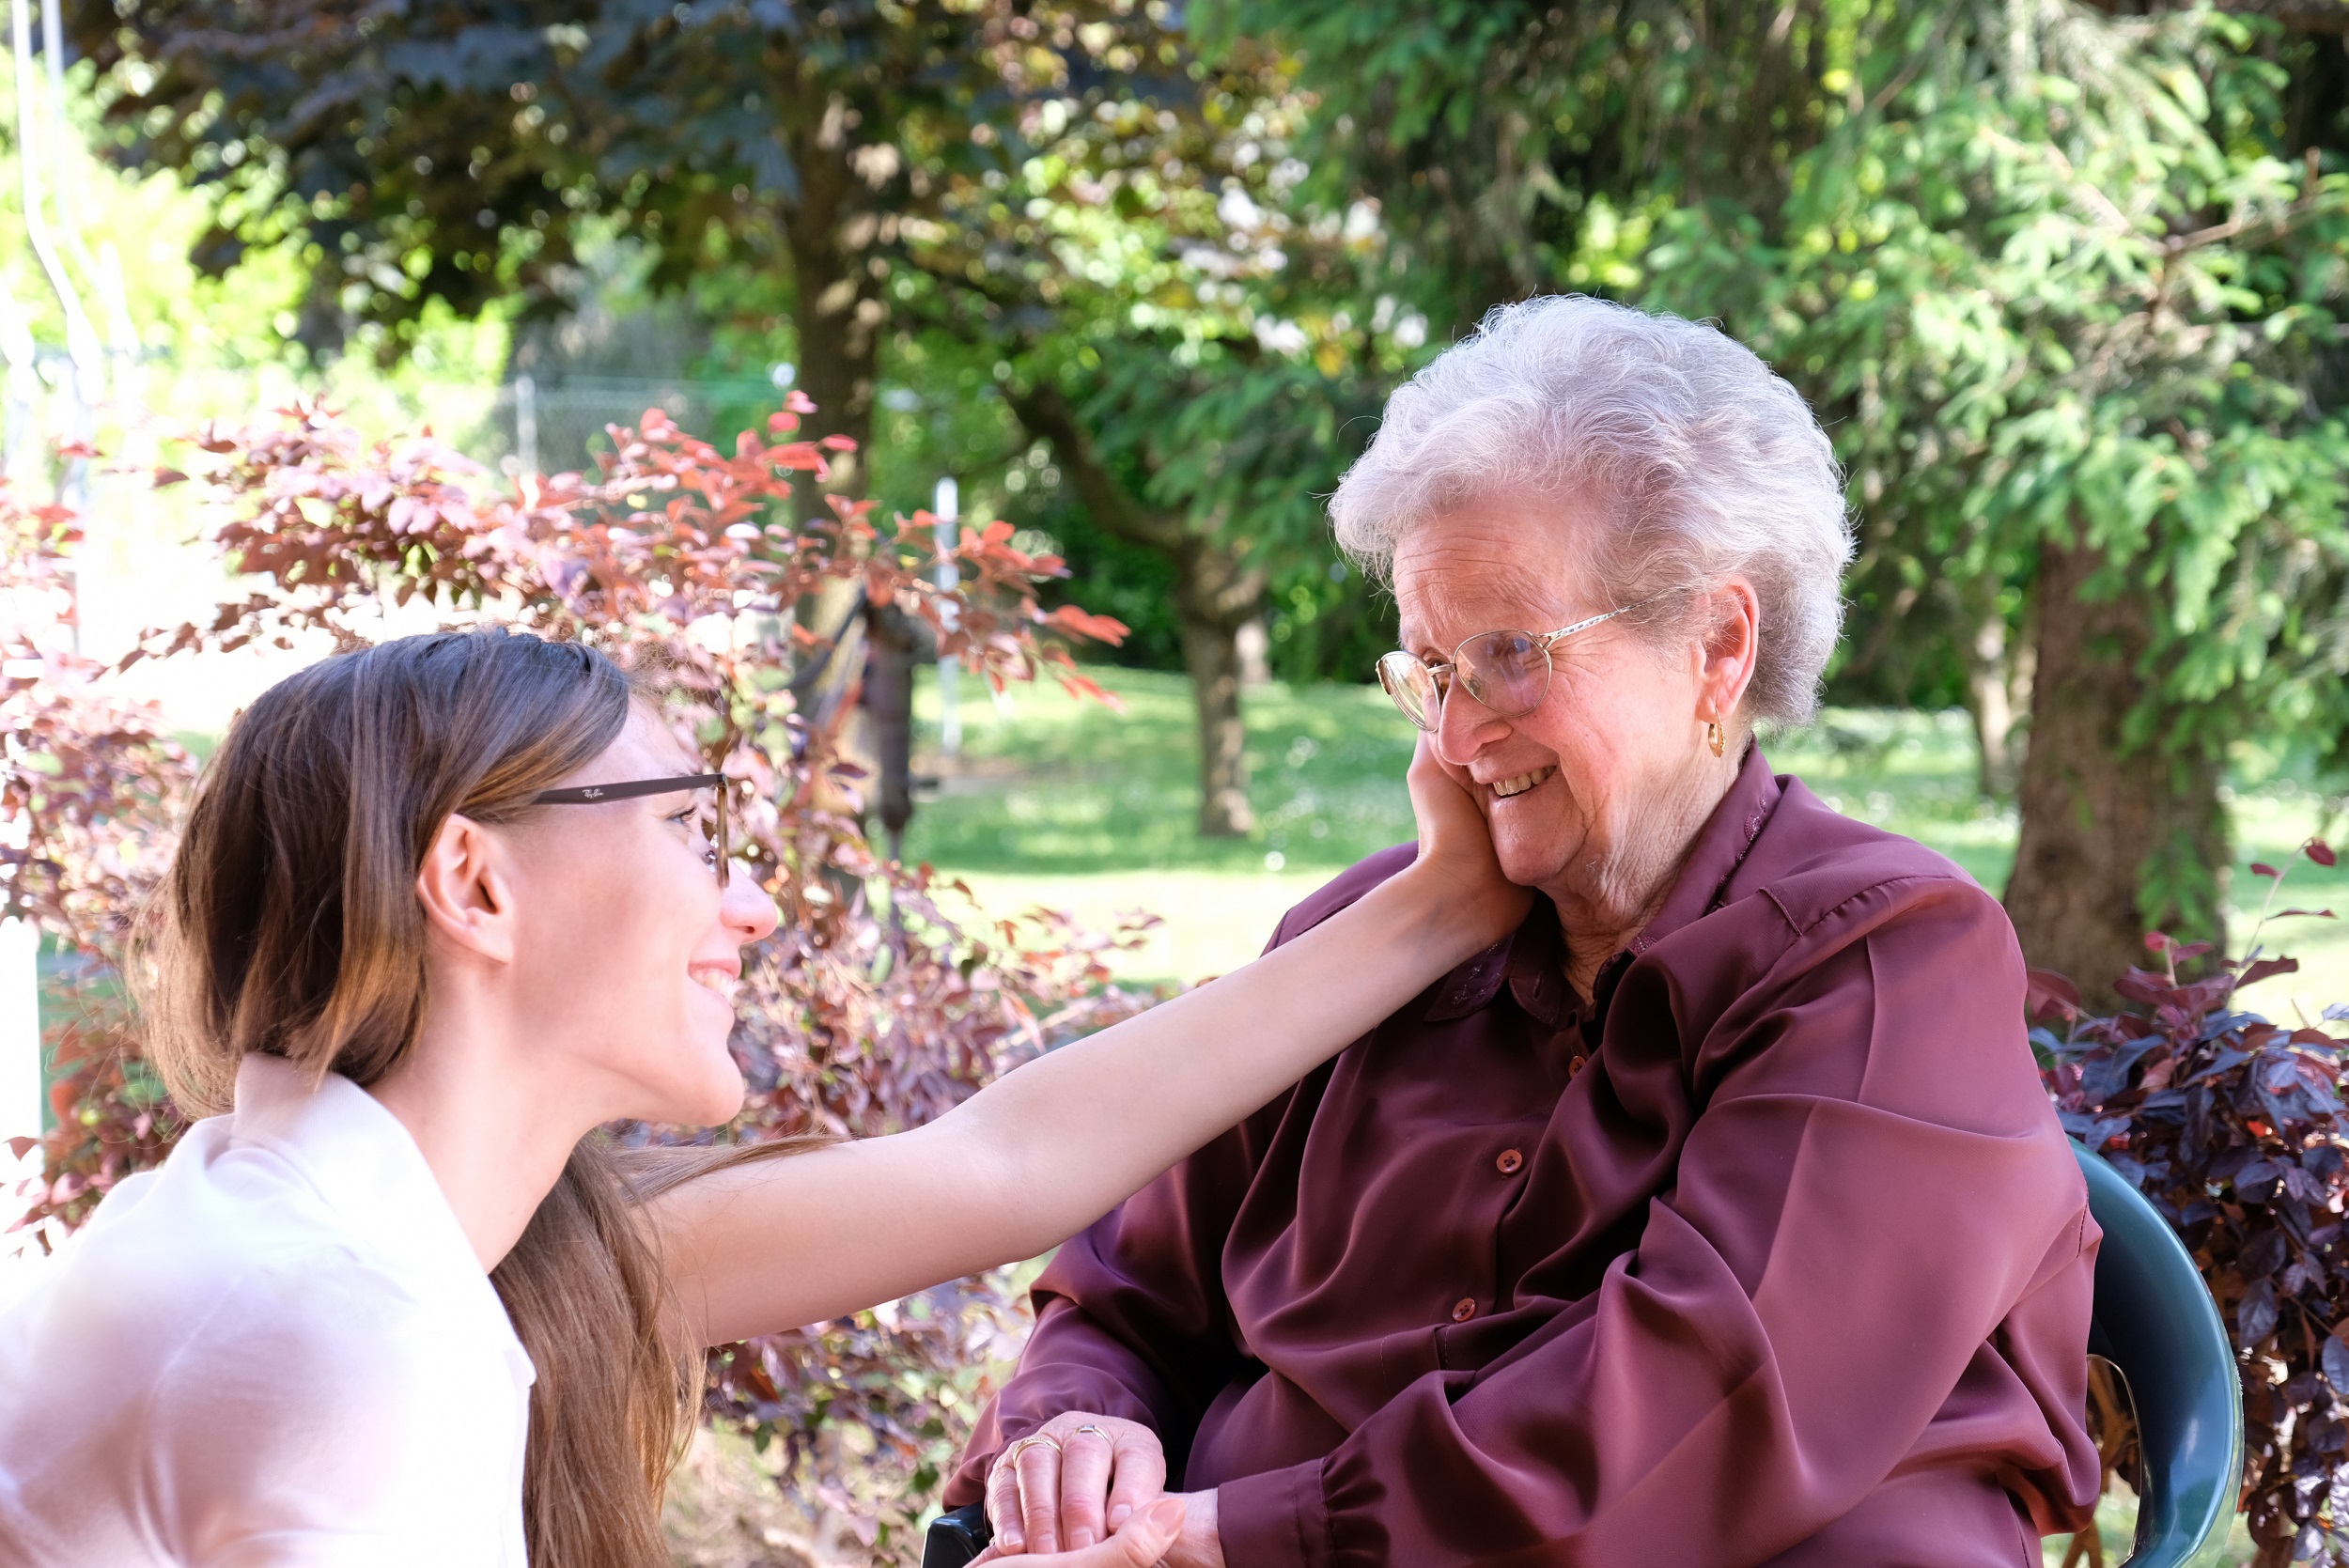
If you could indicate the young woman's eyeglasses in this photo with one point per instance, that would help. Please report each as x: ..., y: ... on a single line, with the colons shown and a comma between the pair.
x: 1506, y: 671
x: 592, y: 795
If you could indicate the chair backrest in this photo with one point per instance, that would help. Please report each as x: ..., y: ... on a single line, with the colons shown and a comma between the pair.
x: 2155, y: 1320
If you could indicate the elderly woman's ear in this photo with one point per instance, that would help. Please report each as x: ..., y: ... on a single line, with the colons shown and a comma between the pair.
x: 1725, y: 652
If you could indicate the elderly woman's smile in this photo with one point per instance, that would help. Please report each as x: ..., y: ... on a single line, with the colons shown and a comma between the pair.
x: 1593, y: 791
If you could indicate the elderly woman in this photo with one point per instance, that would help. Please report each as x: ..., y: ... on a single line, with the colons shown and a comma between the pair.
x: 1715, y: 1218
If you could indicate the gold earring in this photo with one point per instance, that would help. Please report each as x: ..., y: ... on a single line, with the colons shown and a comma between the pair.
x: 1714, y: 737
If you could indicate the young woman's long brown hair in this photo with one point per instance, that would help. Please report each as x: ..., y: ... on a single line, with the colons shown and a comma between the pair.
x: 289, y: 924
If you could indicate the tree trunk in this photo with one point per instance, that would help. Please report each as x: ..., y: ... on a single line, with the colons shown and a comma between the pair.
x: 2118, y: 837
x: 1990, y: 693
x: 890, y: 642
x: 1216, y: 596
x: 830, y: 230
x: 1217, y: 592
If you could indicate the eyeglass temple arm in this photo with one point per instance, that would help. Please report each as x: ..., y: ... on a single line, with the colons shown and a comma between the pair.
x: 1586, y: 624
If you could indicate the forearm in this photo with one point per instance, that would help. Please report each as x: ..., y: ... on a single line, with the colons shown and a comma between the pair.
x: 1049, y: 1148
x: 1127, y: 1103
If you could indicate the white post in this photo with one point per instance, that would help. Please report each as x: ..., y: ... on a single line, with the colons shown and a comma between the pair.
x: 86, y: 383
x: 23, y: 396
x: 81, y: 337
x: 526, y: 421
x: 122, y: 335
x: 949, y: 508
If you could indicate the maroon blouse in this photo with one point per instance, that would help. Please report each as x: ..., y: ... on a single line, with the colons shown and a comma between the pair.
x: 1778, y: 1256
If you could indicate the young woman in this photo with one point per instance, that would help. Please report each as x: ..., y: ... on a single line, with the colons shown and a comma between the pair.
x: 444, y: 906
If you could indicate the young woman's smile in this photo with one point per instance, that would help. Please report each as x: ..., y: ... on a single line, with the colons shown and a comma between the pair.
x: 643, y: 990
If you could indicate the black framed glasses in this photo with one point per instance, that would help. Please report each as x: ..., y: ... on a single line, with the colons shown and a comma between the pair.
x: 595, y: 795
x: 1506, y: 671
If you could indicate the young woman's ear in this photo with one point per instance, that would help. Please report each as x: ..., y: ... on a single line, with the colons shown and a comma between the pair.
x: 467, y: 891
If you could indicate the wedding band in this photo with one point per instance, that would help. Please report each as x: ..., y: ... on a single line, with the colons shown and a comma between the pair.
x: 1011, y: 1454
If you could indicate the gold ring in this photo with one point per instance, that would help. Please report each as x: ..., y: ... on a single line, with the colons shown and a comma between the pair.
x: 1011, y: 1454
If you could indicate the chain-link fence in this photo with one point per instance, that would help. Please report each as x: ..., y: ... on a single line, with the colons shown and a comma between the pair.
x: 554, y: 424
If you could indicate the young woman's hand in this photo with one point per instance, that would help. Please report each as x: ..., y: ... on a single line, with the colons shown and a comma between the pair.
x: 1147, y: 1538
x: 1455, y: 852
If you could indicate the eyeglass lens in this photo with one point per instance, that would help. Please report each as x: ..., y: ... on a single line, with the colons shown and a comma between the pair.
x: 713, y: 827
x: 1508, y: 671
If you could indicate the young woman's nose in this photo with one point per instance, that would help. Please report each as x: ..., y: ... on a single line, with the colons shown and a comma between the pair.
x: 747, y: 910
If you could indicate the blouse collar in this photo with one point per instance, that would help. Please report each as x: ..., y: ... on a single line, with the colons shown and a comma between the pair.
x: 1533, y: 961
x: 363, y: 1164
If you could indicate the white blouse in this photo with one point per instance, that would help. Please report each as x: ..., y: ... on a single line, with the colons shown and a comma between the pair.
x: 278, y: 1349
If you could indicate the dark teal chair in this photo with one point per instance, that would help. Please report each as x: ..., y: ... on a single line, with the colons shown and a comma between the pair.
x: 2155, y: 1320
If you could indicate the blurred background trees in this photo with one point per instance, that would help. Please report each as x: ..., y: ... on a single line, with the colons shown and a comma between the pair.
x: 2061, y: 277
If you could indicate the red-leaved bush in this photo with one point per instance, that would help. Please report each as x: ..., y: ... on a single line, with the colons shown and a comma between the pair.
x: 2232, y: 1125
x: 871, y: 1009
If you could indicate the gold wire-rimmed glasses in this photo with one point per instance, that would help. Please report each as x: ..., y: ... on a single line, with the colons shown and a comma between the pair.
x: 1506, y: 671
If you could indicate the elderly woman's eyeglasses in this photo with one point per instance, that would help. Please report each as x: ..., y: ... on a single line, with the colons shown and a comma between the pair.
x: 1506, y: 671
x: 593, y: 794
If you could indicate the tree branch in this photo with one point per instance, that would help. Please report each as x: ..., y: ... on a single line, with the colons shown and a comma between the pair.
x: 1049, y: 417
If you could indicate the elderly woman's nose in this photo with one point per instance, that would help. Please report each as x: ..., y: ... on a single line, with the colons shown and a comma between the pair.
x: 747, y: 910
x: 1464, y: 728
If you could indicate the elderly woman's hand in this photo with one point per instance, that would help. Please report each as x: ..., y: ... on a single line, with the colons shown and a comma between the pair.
x: 1072, y: 1482
x: 1455, y: 851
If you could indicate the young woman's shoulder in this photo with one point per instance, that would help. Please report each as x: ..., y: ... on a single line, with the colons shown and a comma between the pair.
x: 217, y: 1355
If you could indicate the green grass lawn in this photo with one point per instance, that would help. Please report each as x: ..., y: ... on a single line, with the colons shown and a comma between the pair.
x: 2116, y: 1530
x: 1073, y: 806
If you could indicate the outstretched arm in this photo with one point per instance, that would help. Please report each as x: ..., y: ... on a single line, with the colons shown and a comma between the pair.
x: 1045, y: 1150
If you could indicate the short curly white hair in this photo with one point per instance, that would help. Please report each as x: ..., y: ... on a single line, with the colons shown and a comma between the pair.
x: 1707, y: 463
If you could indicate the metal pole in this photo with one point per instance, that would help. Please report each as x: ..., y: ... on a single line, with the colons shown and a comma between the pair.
x: 526, y: 421
x: 948, y: 506
x: 81, y: 338
x: 122, y: 336
x: 23, y: 385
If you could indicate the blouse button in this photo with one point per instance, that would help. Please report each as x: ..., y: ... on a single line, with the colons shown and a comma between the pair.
x: 1464, y: 1311
x: 1574, y: 1064
x: 1510, y: 1162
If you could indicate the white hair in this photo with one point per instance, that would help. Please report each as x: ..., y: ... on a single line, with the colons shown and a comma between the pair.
x: 1707, y: 464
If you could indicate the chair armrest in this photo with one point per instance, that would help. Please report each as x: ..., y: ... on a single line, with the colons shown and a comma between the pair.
x: 958, y: 1537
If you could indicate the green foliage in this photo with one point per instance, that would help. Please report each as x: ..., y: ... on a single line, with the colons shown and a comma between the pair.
x: 1145, y: 258
x: 2025, y: 357
x: 2058, y: 280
